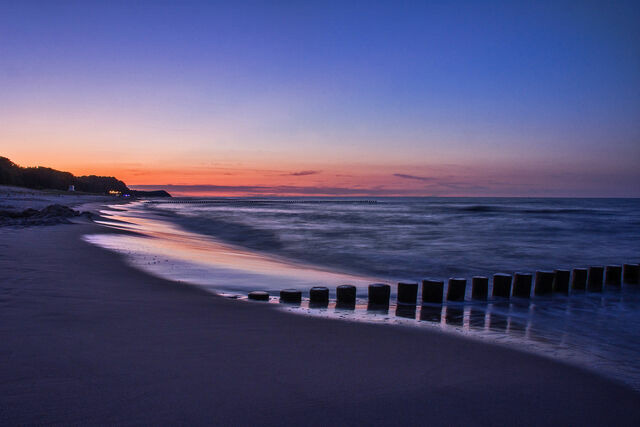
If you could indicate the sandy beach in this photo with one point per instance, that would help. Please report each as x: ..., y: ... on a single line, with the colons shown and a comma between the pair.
x: 87, y: 339
x: 311, y: 213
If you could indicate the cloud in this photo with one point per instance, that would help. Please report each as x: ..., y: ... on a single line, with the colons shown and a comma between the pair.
x: 436, y: 185
x: 462, y: 186
x: 257, y: 190
x: 418, y: 178
x: 302, y: 173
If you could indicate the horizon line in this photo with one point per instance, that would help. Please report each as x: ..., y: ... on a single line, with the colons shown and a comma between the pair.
x: 229, y: 191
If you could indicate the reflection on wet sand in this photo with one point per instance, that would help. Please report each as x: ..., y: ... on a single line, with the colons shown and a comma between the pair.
x: 454, y: 315
x: 517, y: 327
x: 203, y: 260
x: 497, y: 322
x: 324, y: 304
x: 476, y: 318
x: 498, y: 317
x: 345, y: 306
x: 431, y: 313
x: 406, y: 311
x: 378, y: 308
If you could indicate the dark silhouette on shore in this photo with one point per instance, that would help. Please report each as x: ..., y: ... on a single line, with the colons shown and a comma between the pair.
x: 44, y: 178
x: 50, y: 215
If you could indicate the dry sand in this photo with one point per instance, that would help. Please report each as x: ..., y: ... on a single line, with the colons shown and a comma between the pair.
x: 86, y: 339
x: 18, y: 199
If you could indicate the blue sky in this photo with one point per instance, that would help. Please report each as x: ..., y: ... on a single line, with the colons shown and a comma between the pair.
x: 475, y: 92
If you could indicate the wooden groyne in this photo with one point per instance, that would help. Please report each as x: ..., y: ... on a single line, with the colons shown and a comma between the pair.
x: 504, y: 287
x: 256, y: 202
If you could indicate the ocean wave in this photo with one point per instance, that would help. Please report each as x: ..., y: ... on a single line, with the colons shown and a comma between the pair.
x: 527, y: 210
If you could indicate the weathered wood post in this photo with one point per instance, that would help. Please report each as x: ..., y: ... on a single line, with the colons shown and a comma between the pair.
x: 259, y: 296
x: 432, y: 291
x: 319, y: 296
x: 544, y: 283
x: 379, y: 294
x: 456, y: 289
x: 291, y: 296
x: 407, y: 293
x: 502, y: 285
x: 522, y: 285
x: 345, y: 296
x: 561, y: 281
x: 579, y: 279
x: 613, y: 275
x: 595, y: 279
x: 479, y: 287
x: 631, y: 274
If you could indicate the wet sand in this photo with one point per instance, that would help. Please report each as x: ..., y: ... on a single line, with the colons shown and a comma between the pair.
x: 86, y: 339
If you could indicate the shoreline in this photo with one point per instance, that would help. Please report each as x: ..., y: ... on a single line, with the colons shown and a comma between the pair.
x: 89, y: 339
x: 165, y: 248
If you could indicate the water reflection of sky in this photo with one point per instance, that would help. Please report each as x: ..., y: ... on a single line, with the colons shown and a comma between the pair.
x: 164, y: 249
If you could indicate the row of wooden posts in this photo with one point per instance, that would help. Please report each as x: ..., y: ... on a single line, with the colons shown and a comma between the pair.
x: 592, y: 279
x: 259, y: 202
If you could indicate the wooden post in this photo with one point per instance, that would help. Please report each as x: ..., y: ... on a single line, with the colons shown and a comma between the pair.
x: 479, y: 287
x: 291, y: 296
x: 379, y: 294
x: 631, y: 274
x: 544, y: 283
x: 456, y: 289
x: 346, y: 296
x: 432, y: 291
x: 407, y: 293
x: 561, y: 281
x: 501, y: 285
x: 595, y: 279
x: 259, y: 296
x: 319, y: 296
x: 579, y: 279
x: 522, y: 285
x: 613, y: 275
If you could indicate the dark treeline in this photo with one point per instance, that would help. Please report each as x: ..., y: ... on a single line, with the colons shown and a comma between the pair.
x: 46, y: 178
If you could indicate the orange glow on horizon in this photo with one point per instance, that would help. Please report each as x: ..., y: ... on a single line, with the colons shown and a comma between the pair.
x: 288, y: 179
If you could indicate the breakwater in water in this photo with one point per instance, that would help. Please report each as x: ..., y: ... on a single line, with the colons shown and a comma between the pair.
x: 592, y: 279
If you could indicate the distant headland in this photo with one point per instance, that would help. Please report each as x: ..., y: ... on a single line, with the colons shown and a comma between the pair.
x: 44, y: 178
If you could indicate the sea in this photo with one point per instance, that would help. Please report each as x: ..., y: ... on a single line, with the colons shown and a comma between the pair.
x: 232, y: 246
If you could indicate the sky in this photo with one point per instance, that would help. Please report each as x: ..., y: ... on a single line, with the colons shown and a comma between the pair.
x: 430, y: 98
